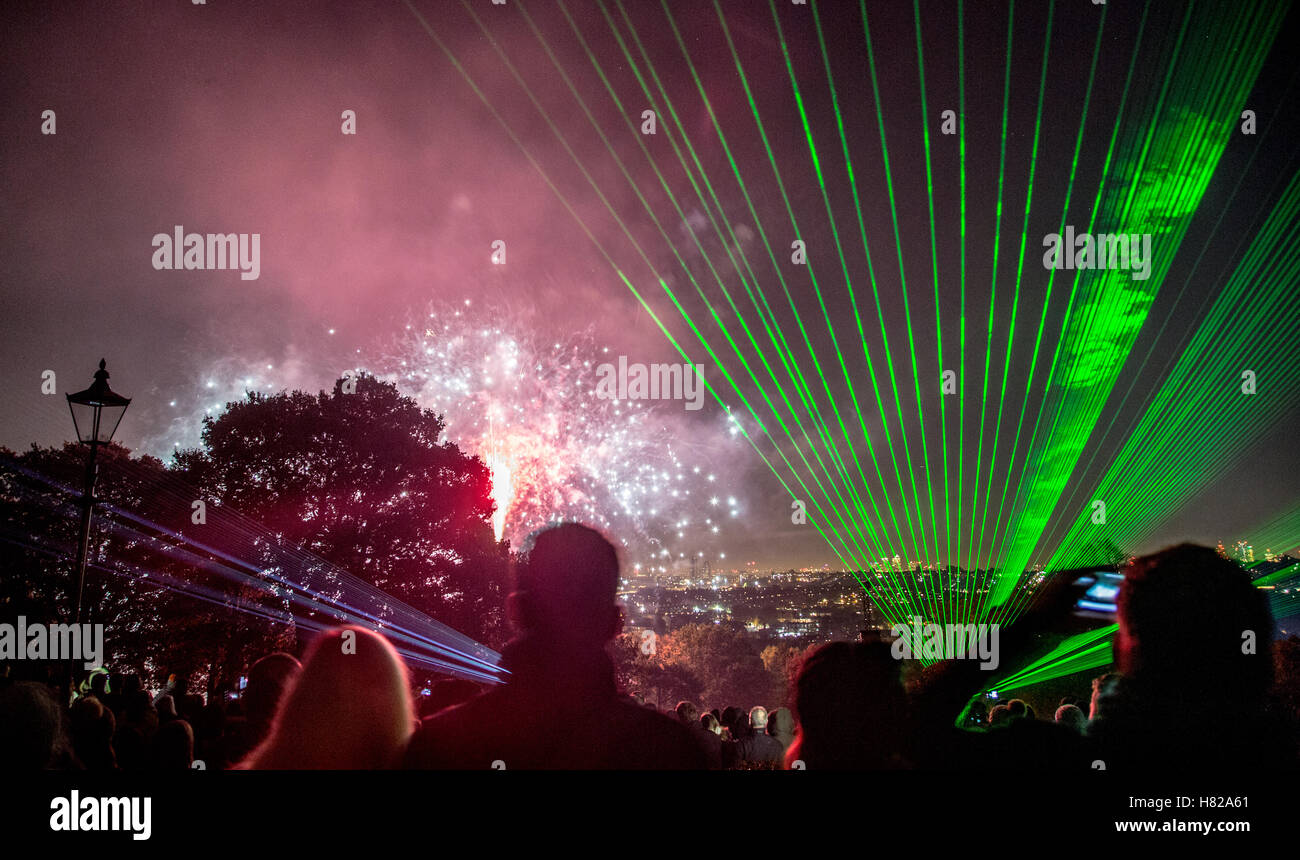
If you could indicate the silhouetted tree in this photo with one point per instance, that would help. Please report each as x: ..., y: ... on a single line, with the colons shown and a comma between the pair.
x: 660, y: 682
x: 137, y: 586
x: 361, y: 479
x: 729, y: 670
x: 782, y: 663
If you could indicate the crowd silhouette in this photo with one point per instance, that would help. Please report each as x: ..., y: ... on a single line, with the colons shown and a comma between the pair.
x: 1193, y: 688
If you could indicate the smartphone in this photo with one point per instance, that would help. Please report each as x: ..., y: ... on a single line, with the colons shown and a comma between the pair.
x: 1099, y: 594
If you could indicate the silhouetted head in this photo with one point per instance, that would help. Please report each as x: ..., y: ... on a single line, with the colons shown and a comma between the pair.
x: 1072, y: 717
x: 211, y: 721
x: 1101, y: 685
x: 31, y: 727
x: 1286, y: 684
x: 268, y: 678
x: 92, y: 725
x: 999, y: 716
x: 850, y: 703
x: 178, y: 684
x: 740, y: 727
x: 1191, y: 620
x: 780, y: 725
x: 1016, y: 707
x: 710, y: 723
x: 190, y: 706
x: 130, y: 684
x: 687, y: 712
x: 173, y: 746
x: 139, y: 709
x: 348, y: 709
x: 565, y: 588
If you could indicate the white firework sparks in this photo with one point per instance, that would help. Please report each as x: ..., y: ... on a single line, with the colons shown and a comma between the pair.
x: 556, y: 451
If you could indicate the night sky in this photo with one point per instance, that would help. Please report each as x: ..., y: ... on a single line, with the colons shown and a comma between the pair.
x: 226, y: 117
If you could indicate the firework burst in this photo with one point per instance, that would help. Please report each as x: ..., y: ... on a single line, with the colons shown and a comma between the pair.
x: 556, y: 451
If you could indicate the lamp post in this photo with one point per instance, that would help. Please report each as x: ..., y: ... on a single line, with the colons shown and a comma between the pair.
x: 96, y: 412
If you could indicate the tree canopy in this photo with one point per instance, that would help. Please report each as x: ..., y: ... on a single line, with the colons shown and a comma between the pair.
x: 357, y: 479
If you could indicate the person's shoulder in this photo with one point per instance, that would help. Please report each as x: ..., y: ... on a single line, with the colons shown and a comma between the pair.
x: 660, y: 729
x: 441, y: 735
x: 480, y: 711
x: 638, y: 714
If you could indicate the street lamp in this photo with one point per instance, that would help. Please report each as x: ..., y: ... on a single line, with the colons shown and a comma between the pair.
x: 96, y: 412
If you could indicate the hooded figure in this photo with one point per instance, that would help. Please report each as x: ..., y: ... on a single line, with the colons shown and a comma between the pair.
x: 780, y: 725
